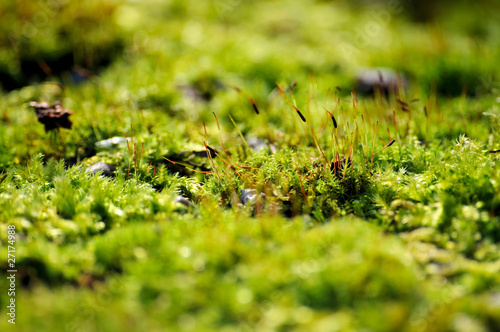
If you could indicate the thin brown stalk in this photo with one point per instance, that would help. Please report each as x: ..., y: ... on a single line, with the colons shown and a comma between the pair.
x: 314, y: 136
x: 183, y: 165
x: 211, y: 160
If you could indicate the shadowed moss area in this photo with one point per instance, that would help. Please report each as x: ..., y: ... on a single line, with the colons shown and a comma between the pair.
x: 250, y: 165
x: 56, y: 38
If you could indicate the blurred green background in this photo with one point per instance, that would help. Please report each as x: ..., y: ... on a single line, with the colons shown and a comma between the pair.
x: 446, y: 43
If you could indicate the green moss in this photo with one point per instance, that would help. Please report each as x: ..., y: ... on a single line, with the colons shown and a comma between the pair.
x: 399, y: 236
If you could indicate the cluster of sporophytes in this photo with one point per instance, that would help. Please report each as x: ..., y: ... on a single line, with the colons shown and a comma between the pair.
x: 291, y: 175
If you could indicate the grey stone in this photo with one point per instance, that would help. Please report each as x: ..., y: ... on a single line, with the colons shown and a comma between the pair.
x: 257, y: 144
x: 383, y: 79
x: 105, y: 169
x: 250, y: 196
x: 495, y: 299
x: 108, y: 143
x: 182, y: 200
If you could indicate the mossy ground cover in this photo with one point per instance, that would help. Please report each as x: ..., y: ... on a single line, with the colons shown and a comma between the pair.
x: 402, y: 235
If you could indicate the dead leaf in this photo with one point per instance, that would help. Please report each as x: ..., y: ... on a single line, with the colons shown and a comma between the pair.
x: 53, y: 116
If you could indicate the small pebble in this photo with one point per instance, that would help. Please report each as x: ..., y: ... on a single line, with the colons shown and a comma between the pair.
x: 80, y: 75
x: 249, y: 196
x: 108, y: 143
x: 182, y: 200
x: 106, y: 169
x: 257, y: 144
x: 495, y: 300
x: 385, y: 79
